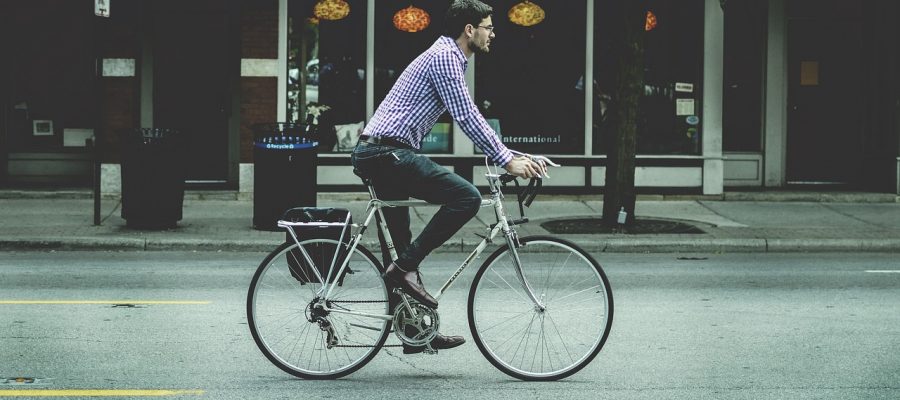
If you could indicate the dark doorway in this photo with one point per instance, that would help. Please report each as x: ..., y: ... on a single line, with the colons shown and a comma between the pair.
x: 825, y: 130
x: 192, y: 90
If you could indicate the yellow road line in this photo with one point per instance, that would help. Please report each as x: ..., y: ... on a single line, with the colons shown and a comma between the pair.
x: 165, y: 302
x: 97, y: 393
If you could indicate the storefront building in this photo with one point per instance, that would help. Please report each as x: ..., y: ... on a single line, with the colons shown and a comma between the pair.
x: 738, y: 93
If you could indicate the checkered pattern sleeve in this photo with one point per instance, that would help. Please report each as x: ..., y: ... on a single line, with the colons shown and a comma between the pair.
x: 448, y: 76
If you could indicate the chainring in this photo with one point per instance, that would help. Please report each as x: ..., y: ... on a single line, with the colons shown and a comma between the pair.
x: 419, y: 329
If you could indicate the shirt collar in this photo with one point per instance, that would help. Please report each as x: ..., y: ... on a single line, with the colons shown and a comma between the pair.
x: 449, y: 42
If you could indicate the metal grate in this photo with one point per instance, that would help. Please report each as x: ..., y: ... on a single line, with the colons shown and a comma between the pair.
x: 641, y: 226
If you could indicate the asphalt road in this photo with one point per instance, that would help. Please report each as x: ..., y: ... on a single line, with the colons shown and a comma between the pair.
x: 699, y: 326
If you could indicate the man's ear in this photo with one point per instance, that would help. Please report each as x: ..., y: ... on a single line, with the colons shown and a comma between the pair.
x: 469, y: 31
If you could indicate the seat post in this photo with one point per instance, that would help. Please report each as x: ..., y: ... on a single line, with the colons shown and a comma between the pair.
x: 371, y: 189
x: 387, y: 244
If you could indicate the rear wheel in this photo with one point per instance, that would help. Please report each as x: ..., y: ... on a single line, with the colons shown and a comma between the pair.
x: 525, y: 341
x: 289, y: 324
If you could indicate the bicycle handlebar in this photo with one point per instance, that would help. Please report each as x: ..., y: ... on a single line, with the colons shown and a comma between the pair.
x: 526, y: 196
x: 544, y: 161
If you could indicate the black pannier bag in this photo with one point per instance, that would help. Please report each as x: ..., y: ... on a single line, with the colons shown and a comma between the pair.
x: 321, y: 254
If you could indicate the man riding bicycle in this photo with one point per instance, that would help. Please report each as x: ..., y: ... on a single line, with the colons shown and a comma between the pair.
x: 432, y: 84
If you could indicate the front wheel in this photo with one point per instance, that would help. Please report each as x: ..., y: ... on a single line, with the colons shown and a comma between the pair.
x: 530, y: 342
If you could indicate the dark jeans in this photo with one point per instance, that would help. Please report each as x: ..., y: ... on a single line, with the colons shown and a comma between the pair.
x: 398, y: 174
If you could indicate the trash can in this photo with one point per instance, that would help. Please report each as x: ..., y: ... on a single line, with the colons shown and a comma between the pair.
x: 284, y: 171
x: 152, y: 178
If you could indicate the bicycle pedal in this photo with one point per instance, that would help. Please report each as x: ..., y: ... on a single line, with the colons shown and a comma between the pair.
x: 409, y: 299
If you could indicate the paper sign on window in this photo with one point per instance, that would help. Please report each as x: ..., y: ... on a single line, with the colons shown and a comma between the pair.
x: 684, y: 107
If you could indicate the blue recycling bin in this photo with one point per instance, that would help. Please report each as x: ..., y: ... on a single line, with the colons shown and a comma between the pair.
x: 284, y: 171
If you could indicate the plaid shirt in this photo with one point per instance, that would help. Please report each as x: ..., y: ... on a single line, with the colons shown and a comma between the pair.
x: 433, y: 83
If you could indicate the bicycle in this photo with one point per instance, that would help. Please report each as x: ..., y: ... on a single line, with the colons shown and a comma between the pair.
x: 539, y: 307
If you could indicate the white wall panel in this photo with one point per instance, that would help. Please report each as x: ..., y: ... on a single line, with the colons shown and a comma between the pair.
x: 656, y: 176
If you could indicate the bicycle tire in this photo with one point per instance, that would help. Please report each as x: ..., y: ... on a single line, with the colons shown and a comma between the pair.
x: 275, y: 281
x: 592, y: 319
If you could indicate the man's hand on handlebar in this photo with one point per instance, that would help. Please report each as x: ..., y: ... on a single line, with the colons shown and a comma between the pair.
x: 525, y: 167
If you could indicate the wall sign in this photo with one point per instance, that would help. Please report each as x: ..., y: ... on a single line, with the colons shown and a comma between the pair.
x: 684, y: 87
x: 42, y: 127
x: 684, y: 107
x: 73, y: 137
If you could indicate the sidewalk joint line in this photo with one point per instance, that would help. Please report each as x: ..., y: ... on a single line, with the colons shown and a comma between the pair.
x: 589, y: 206
x: 702, y: 204
x: 112, y: 212
x: 832, y: 209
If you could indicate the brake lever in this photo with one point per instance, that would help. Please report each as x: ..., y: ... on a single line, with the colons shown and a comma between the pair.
x: 533, y: 188
x: 545, y: 161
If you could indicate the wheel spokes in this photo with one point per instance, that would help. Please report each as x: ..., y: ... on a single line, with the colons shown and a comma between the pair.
x: 289, y: 319
x: 535, y: 343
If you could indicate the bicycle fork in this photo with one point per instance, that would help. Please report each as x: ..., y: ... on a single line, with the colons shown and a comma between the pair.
x: 512, y: 242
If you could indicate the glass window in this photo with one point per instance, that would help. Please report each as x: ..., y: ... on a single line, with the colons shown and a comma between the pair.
x: 395, y: 49
x: 669, y: 120
x: 528, y: 85
x: 745, y: 48
x: 326, y: 72
x: 51, y: 82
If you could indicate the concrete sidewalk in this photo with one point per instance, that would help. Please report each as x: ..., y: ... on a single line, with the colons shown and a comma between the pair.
x: 756, y: 222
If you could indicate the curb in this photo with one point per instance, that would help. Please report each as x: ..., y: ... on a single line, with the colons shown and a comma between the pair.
x: 71, y: 243
x: 629, y: 245
x: 827, y: 245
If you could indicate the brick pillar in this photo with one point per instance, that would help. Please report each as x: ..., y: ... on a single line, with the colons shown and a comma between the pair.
x: 259, y: 77
x: 119, y: 90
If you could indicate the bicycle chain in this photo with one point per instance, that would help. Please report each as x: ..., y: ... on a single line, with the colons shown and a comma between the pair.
x: 363, y: 302
x: 358, y: 301
x: 363, y: 345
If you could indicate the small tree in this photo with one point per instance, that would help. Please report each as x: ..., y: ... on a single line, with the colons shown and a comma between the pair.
x: 628, y: 49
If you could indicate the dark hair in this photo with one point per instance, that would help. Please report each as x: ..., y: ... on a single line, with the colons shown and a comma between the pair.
x: 462, y: 13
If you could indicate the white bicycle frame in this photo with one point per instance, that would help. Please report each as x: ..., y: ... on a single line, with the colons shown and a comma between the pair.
x: 374, y: 206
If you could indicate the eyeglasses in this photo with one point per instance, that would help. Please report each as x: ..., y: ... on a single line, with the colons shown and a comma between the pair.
x: 490, y: 28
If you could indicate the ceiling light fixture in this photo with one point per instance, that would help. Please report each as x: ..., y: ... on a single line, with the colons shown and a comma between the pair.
x: 526, y: 13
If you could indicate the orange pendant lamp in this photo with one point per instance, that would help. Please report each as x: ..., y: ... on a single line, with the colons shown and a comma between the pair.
x: 526, y: 13
x: 411, y: 19
x: 331, y: 10
x: 650, y: 23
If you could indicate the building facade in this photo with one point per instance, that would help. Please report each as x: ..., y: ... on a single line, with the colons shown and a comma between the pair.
x: 738, y: 93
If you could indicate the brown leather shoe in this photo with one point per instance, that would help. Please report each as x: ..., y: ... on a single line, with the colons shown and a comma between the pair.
x: 410, y: 283
x: 440, y: 342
